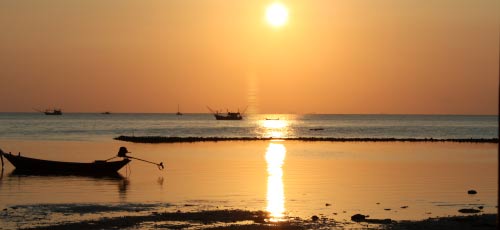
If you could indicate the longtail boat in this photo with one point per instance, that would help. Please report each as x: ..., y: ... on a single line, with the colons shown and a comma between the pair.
x: 98, y: 167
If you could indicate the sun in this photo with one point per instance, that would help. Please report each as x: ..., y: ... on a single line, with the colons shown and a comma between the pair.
x: 277, y: 14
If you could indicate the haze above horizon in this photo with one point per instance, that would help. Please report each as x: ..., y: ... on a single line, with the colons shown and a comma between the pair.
x: 319, y: 56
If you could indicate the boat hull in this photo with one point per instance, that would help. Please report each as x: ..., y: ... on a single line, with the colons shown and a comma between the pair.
x: 221, y: 117
x: 35, y: 166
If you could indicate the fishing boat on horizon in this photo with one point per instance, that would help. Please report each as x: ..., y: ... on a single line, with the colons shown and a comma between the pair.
x: 99, y: 167
x: 50, y: 111
x: 226, y: 116
x: 53, y: 112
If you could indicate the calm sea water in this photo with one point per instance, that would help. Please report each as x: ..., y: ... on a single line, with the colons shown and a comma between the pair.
x: 82, y: 126
x: 291, y: 178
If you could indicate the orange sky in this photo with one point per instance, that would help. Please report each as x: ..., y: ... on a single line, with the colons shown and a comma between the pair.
x: 361, y: 56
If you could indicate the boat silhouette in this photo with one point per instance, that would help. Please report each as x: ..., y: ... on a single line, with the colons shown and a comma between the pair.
x: 226, y: 116
x: 29, y: 165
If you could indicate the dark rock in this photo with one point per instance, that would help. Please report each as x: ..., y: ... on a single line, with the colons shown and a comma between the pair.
x: 480, y: 207
x: 327, y: 204
x: 469, y: 210
x: 472, y: 192
x: 314, y: 218
x: 377, y: 203
x: 334, y: 213
x: 358, y: 217
x: 387, y: 209
x: 404, y: 206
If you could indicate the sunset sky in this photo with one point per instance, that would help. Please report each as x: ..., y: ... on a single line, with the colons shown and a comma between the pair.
x: 351, y: 56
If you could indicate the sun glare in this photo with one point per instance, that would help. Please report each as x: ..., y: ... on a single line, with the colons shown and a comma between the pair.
x: 277, y: 14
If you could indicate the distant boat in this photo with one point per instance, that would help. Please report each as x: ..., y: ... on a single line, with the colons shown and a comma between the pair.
x: 272, y: 119
x: 226, y: 116
x: 178, y: 112
x: 53, y: 112
x: 106, y: 113
x: 316, y: 129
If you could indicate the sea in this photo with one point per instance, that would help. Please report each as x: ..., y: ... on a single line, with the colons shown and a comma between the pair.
x: 95, y: 126
x: 288, y: 178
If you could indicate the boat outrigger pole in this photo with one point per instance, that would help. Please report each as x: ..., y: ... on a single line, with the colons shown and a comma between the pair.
x: 1, y: 158
x: 123, y: 153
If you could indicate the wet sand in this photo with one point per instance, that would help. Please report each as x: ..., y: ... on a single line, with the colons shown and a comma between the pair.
x: 291, y: 180
x: 259, y: 220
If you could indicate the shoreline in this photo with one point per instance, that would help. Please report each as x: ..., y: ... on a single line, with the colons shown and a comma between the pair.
x: 165, y: 139
x: 246, y: 219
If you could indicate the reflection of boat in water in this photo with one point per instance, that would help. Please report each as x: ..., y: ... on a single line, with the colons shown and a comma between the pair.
x: 226, y: 116
x: 98, y: 167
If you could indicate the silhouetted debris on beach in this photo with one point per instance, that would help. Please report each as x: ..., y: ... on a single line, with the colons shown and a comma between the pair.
x: 472, y: 192
x: 163, y: 139
x: 469, y: 210
x: 363, y: 218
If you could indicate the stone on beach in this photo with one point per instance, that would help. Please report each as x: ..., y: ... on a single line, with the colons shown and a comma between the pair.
x: 472, y: 192
x: 469, y: 210
x: 358, y: 217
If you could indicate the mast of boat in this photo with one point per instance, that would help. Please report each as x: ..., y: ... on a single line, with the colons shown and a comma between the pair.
x: 178, y: 111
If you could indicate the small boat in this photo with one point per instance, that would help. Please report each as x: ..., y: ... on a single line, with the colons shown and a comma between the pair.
x: 106, y: 113
x: 53, y: 112
x: 98, y: 167
x: 272, y: 119
x: 316, y: 129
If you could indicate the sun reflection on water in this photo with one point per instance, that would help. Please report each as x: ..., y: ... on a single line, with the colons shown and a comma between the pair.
x: 275, y: 128
x: 275, y: 157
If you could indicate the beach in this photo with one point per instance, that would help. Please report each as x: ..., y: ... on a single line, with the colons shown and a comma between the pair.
x: 286, y: 179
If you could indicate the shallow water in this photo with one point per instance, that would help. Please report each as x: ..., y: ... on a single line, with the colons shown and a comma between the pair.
x: 289, y: 178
